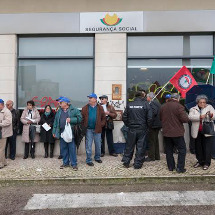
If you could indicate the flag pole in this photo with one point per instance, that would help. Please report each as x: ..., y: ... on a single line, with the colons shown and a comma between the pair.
x: 208, y: 78
x: 160, y: 90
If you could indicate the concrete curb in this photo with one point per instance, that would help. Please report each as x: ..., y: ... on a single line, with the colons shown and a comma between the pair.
x: 109, y: 180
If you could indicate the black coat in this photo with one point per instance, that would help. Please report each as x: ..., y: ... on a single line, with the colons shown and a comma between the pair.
x: 46, y: 136
x: 137, y: 114
x: 155, y: 106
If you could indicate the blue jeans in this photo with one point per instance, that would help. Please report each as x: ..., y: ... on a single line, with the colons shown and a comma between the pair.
x: 68, y: 152
x: 90, y: 136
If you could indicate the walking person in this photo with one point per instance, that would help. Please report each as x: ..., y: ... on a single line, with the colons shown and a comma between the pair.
x: 173, y: 115
x: 138, y: 118
x: 6, y: 131
x: 203, y: 142
x: 11, y: 141
x: 94, y: 120
x: 107, y: 130
x: 30, y: 117
x: 154, y: 151
x: 46, y: 136
x: 66, y: 114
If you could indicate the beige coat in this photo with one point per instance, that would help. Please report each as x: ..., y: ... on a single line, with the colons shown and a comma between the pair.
x: 25, y: 132
x: 194, y: 116
x: 6, y: 123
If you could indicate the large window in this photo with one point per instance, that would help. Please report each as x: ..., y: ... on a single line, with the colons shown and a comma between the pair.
x: 49, y: 67
x: 153, y: 60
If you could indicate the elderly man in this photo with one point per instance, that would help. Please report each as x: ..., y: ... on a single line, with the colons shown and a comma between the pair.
x: 66, y: 114
x: 154, y: 152
x: 11, y: 141
x: 138, y: 118
x: 93, y: 119
x: 173, y: 116
x: 108, y: 128
x: 6, y: 130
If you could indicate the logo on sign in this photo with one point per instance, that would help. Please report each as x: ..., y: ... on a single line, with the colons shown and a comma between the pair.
x: 185, y: 81
x: 111, y: 20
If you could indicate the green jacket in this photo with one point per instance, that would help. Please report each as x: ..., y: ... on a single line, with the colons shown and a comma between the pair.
x: 74, y: 114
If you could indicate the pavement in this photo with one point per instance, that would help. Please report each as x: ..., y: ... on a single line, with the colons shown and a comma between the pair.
x: 110, y: 170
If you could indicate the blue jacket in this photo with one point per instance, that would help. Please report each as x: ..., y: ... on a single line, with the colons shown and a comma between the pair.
x: 74, y: 115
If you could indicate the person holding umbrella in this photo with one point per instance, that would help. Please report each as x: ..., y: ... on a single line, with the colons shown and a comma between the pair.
x: 203, y: 142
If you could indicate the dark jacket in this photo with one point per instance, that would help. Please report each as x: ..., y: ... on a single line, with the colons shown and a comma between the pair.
x: 172, y: 117
x: 74, y: 115
x: 155, y: 106
x: 46, y: 136
x: 100, y: 117
x: 15, y: 120
x: 138, y: 114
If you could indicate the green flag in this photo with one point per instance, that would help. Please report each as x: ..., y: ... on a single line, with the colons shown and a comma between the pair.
x: 213, y: 67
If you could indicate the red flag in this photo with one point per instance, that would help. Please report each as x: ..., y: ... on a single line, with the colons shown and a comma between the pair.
x: 183, y: 81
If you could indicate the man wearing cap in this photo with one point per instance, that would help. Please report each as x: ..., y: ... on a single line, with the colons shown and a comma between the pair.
x: 93, y: 119
x: 173, y: 115
x: 109, y: 126
x: 154, y: 152
x: 6, y: 130
x: 66, y: 114
x: 138, y: 118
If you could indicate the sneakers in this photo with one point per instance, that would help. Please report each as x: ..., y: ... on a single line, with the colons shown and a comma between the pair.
x: 90, y: 164
x: 98, y: 161
x: 63, y: 166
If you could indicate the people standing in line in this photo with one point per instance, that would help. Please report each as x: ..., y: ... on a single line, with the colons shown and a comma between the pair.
x: 173, y: 115
x: 46, y: 136
x: 11, y: 141
x: 154, y: 151
x: 6, y: 130
x: 203, y: 142
x: 109, y: 126
x: 94, y: 120
x: 66, y: 114
x: 30, y: 117
x: 138, y: 118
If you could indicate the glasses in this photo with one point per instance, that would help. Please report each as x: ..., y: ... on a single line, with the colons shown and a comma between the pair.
x: 202, y: 102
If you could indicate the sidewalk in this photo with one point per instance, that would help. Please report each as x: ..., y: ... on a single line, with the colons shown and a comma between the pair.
x: 41, y: 169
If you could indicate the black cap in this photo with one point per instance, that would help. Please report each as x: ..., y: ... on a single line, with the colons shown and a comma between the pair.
x: 103, y: 96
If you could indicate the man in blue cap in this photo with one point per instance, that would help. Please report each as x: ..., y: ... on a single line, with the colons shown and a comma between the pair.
x: 6, y: 130
x: 93, y: 119
x: 66, y: 114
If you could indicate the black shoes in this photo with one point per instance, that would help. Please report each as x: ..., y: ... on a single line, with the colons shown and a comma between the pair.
x: 90, y: 164
x: 137, y: 167
x: 126, y: 165
x: 60, y: 157
x: 148, y: 159
x: 25, y: 157
x: 63, y: 166
x: 98, y: 161
x: 114, y: 155
x: 180, y: 170
x: 102, y: 155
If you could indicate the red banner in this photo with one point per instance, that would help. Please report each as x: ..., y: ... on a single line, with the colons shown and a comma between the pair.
x: 183, y: 81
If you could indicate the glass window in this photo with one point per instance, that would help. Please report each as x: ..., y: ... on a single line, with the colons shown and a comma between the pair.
x: 201, y: 45
x: 155, y: 46
x: 55, y: 46
x: 44, y: 80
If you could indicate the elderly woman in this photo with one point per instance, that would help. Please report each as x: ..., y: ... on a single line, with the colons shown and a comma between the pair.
x: 30, y: 116
x: 203, y: 142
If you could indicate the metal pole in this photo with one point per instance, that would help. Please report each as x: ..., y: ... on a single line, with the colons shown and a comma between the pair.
x: 160, y: 90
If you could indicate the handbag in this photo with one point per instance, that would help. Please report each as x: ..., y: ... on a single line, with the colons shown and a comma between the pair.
x: 67, y: 133
x: 208, y: 126
x: 38, y: 128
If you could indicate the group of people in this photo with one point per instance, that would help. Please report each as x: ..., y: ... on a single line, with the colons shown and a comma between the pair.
x: 144, y: 118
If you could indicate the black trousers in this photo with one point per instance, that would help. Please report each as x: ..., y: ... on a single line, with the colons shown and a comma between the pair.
x: 154, y: 151
x: 109, y: 136
x: 192, y: 141
x: 11, y: 142
x: 180, y: 145
x: 135, y: 138
x: 32, y: 150
x: 203, y: 149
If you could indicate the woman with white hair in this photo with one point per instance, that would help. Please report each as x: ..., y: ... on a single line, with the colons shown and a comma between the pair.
x: 203, y: 142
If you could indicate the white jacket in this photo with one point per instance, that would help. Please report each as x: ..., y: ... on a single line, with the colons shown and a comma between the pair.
x: 194, y: 116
